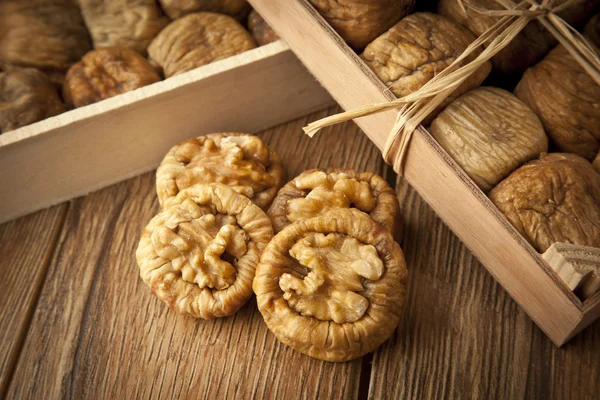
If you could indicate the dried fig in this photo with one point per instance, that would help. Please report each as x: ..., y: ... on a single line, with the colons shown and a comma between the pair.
x: 315, y: 192
x: 529, y: 46
x: 196, y: 40
x: 45, y: 34
x: 178, y: 8
x: 199, y: 254
x: 332, y: 286
x: 567, y: 100
x: 418, y: 47
x: 489, y: 133
x: 239, y: 160
x: 553, y: 199
x: 26, y: 96
x: 596, y: 162
x: 105, y: 73
x: 260, y: 30
x: 359, y: 22
x: 123, y: 23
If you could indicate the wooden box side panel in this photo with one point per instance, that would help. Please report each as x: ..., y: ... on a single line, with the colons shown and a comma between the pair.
x: 468, y: 212
x: 95, y: 146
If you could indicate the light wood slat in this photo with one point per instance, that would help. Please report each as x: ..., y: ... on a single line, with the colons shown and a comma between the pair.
x: 26, y: 246
x: 99, y: 332
x: 463, y: 336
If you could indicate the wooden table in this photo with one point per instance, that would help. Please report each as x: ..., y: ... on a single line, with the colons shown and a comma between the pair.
x: 77, y: 321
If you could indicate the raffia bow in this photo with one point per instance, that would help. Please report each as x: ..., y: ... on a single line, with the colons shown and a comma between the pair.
x: 415, y: 107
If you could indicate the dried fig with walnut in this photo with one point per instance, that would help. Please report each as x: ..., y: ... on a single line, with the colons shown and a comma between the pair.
x: 45, y: 34
x: 105, y: 73
x: 178, y: 8
x: 123, y: 23
x: 567, y: 100
x: 553, y: 199
x: 239, y: 160
x: 26, y: 96
x: 530, y: 45
x: 359, y: 22
x: 417, y: 48
x: 260, y: 30
x: 489, y: 133
x: 332, y: 286
x: 196, y: 40
x: 315, y: 192
x: 199, y: 255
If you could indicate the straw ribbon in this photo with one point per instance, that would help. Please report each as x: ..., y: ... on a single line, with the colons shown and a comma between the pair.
x: 415, y: 107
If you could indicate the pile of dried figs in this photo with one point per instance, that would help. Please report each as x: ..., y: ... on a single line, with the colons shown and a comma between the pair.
x: 62, y: 54
x: 319, y: 253
x: 532, y: 142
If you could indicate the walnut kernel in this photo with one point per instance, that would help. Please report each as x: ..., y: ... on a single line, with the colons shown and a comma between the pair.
x: 241, y: 161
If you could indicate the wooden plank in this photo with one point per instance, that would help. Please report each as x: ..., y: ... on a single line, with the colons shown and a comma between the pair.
x: 26, y: 246
x: 95, y: 146
x: 463, y: 336
x: 98, y: 332
x: 429, y: 169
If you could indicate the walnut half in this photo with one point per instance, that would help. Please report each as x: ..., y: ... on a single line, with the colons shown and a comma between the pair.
x: 199, y: 254
x: 332, y: 286
x: 241, y: 161
x: 315, y: 192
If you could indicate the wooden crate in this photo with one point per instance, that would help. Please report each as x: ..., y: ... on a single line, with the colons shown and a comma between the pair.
x: 512, y: 261
x: 91, y: 147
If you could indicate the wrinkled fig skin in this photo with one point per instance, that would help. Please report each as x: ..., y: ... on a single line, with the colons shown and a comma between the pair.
x: 592, y: 30
x: 196, y: 40
x: 527, y: 47
x: 105, y: 73
x: 323, y: 196
x: 553, y: 199
x: 567, y: 100
x: 418, y: 47
x: 45, y: 34
x: 359, y: 22
x: 382, y: 290
x: 260, y: 30
x: 178, y: 8
x: 26, y: 96
x: 489, y: 133
x: 123, y: 23
x: 199, y: 254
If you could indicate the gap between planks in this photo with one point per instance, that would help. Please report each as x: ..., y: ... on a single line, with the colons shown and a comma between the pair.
x: 39, y: 284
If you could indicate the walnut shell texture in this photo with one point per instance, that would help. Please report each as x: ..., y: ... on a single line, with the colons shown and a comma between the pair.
x: 26, y: 96
x: 239, y: 160
x: 332, y: 286
x: 123, y: 23
x: 199, y: 255
x: 359, y: 22
x: 418, y: 47
x: 178, y: 8
x: 45, y: 34
x: 567, y: 100
x: 315, y: 192
x: 553, y: 199
x: 196, y: 40
x: 529, y: 46
x: 260, y: 30
x: 105, y: 73
x: 489, y: 133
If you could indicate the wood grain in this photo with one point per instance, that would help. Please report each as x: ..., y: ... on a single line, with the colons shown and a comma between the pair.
x: 126, y: 135
x: 98, y: 332
x: 25, y: 250
x: 463, y: 336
